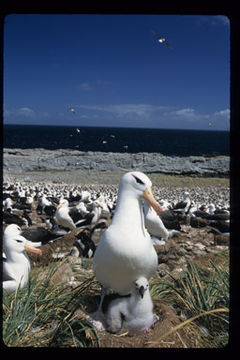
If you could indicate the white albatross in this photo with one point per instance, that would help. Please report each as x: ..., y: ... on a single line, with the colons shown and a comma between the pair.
x: 125, y: 252
x: 155, y: 226
x: 184, y: 205
x: 63, y: 217
x: 161, y: 40
x: 16, y: 265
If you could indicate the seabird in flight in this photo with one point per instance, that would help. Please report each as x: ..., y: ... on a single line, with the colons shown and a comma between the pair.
x: 161, y: 40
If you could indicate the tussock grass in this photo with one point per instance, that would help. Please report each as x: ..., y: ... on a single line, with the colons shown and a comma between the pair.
x: 47, y: 315
x: 201, y: 299
x: 43, y: 315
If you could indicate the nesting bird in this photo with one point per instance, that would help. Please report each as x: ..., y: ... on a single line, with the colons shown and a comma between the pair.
x: 16, y: 265
x: 134, y: 312
x: 125, y: 252
x: 184, y: 205
x: 62, y: 216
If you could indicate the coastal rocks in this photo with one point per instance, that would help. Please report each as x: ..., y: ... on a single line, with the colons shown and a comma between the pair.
x: 25, y: 160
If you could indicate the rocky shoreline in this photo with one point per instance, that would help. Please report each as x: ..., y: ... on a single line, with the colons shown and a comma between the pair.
x: 17, y: 161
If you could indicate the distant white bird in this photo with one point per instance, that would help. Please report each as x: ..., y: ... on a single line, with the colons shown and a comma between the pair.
x: 44, y: 202
x: 184, y: 205
x: 7, y: 203
x: 162, y: 40
x: 134, y: 312
x: 91, y: 218
x: 85, y: 196
x: 153, y: 223
x: 72, y: 110
x: 16, y: 265
x: 211, y: 209
x: 82, y: 208
x: 165, y: 205
x: 62, y: 216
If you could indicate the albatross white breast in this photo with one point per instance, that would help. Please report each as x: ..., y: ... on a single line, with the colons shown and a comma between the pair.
x: 125, y: 252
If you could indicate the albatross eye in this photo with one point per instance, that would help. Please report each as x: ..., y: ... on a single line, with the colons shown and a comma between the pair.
x: 139, y: 181
x: 19, y: 241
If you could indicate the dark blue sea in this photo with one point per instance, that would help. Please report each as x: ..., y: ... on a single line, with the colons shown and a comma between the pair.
x: 166, y: 142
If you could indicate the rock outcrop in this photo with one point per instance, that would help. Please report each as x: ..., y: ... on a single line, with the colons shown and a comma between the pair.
x: 24, y: 160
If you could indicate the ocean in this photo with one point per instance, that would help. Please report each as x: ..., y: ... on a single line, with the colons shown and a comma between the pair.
x: 131, y: 140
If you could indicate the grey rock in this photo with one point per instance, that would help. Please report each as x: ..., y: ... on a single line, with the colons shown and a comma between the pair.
x: 23, y: 160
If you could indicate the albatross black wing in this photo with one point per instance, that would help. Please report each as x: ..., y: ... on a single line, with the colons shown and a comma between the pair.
x: 155, y: 34
x: 162, y: 40
x: 167, y: 44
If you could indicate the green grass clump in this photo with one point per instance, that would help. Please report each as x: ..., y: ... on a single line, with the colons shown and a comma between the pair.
x: 200, y: 296
x: 44, y: 315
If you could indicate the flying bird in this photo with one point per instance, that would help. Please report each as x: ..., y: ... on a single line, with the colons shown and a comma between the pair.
x: 161, y: 40
x: 72, y: 110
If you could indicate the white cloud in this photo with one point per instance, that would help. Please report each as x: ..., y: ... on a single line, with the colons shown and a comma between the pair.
x: 141, y: 110
x: 85, y: 86
x: 139, y: 115
x: 91, y: 85
x: 188, y: 114
x: 184, y: 112
x: 23, y: 111
x: 223, y: 113
x: 157, y: 116
x: 26, y: 111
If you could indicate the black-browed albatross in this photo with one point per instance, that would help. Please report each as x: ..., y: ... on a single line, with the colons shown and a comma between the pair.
x: 125, y: 252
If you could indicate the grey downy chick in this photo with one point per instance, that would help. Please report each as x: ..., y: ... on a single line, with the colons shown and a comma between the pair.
x: 135, y: 313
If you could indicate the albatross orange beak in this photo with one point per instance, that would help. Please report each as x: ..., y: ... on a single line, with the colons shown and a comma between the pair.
x: 32, y: 250
x: 148, y: 196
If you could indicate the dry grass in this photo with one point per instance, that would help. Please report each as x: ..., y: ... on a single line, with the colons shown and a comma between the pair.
x: 113, y: 178
x: 201, y: 298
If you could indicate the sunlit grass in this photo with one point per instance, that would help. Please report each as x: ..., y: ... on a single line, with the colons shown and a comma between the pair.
x: 46, y: 315
x: 43, y: 315
x: 201, y: 299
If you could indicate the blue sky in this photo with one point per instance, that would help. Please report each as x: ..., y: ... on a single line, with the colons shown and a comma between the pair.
x: 114, y: 72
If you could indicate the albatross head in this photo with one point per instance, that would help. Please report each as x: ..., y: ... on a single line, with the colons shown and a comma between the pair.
x: 141, y: 285
x: 141, y: 185
x: 15, y: 243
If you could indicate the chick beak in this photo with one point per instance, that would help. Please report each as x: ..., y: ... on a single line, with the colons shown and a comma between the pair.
x: 32, y: 250
x: 141, y: 291
x: 148, y: 196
